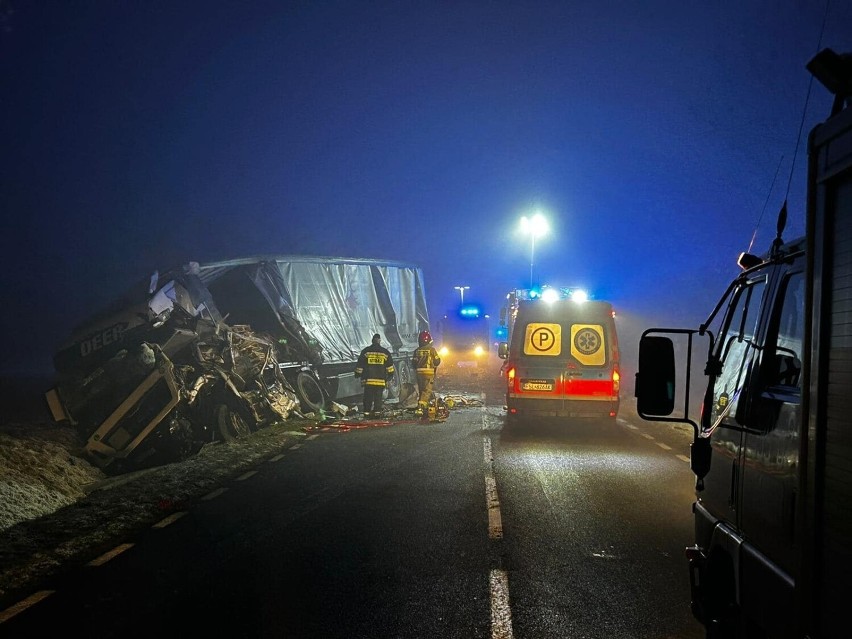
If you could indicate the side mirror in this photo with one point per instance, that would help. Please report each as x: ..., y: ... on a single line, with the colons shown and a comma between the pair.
x: 655, y: 380
x: 785, y: 370
x: 503, y: 350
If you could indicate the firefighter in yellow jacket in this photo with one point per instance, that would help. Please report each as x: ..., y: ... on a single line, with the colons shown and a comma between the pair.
x: 425, y: 361
x: 375, y: 368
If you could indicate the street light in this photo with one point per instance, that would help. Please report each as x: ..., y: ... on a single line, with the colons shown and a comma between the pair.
x: 461, y: 290
x: 535, y: 226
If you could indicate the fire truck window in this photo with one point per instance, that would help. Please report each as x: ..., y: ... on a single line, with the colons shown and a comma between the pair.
x: 737, y: 346
x: 787, y: 363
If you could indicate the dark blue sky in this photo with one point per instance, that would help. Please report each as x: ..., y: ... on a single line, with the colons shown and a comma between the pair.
x: 140, y: 135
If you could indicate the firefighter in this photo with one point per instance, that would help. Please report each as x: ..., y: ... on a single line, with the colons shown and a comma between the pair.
x: 425, y: 361
x: 375, y: 368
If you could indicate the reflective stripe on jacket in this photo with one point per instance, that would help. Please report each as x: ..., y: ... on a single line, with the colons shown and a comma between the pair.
x: 375, y: 366
x: 426, y: 359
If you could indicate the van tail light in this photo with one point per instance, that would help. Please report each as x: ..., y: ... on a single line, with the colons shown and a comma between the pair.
x: 616, y: 382
x: 510, y: 376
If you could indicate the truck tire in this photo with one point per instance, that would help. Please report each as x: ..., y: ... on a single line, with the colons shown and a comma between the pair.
x: 311, y: 394
x: 231, y: 421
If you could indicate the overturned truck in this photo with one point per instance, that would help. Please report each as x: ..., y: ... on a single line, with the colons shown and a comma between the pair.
x: 214, y: 351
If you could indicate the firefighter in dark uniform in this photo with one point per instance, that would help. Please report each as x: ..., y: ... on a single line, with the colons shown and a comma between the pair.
x: 375, y: 368
x: 425, y: 362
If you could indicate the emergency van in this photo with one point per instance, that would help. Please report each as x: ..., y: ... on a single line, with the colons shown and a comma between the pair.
x: 562, y: 357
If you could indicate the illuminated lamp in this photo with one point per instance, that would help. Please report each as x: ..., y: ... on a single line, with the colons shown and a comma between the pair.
x: 579, y: 296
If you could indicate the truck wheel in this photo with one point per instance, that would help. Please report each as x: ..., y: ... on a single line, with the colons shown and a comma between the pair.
x: 311, y: 395
x: 231, y: 422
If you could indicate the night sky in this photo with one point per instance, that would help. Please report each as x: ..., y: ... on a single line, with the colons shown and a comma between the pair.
x: 142, y: 135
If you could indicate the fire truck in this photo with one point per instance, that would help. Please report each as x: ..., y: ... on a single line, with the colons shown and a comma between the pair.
x: 772, y: 446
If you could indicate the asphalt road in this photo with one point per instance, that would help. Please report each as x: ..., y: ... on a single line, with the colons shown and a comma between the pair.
x: 457, y: 529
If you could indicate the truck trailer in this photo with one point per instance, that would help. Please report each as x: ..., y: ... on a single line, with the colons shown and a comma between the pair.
x: 321, y: 311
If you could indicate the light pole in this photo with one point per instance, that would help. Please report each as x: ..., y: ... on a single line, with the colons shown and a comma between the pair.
x: 461, y: 290
x: 535, y: 226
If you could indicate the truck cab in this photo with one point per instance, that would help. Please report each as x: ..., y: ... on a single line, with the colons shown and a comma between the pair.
x: 771, y: 450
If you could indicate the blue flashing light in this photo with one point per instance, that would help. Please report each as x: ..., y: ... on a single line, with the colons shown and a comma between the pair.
x: 469, y: 311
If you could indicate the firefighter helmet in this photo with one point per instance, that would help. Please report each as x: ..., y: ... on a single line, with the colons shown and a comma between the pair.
x: 424, y: 338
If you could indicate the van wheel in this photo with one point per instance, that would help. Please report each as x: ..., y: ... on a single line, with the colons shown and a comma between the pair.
x: 310, y: 393
x: 231, y: 422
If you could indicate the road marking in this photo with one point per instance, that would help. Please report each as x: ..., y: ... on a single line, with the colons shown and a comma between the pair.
x: 492, y: 502
x: 169, y: 520
x: 664, y: 446
x: 495, y: 519
x: 214, y: 494
x: 245, y: 476
x: 314, y: 436
x: 295, y: 446
x: 501, y: 611
x: 277, y: 458
x: 631, y: 426
x: 646, y: 436
x: 112, y: 554
x: 683, y: 458
x: 22, y: 605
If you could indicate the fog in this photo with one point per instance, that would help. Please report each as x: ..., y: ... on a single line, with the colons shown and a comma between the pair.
x: 657, y: 138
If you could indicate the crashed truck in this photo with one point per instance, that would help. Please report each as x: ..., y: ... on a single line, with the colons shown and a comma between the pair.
x: 213, y: 351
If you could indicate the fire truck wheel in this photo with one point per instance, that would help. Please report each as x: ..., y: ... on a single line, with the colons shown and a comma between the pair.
x: 311, y: 395
x: 231, y: 422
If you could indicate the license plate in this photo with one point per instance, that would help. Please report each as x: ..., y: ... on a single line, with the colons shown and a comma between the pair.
x: 537, y: 386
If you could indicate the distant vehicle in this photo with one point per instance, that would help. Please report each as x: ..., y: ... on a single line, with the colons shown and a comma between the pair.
x: 773, y: 514
x: 464, y: 337
x: 562, y: 357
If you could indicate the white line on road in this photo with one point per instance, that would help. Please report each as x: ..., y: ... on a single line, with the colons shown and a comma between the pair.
x: 245, y: 476
x: 112, y: 554
x: 22, y: 605
x: 647, y: 436
x: 683, y: 458
x: 314, y: 436
x: 295, y: 447
x: 501, y: 611
x: 492, y: 502
x: 277, y: 458
x: 664, y: 446
x: 214, y: 494
x: 169, y: 520
x: 495, y: 519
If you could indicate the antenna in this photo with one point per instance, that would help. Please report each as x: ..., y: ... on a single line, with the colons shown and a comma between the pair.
x: 782, y: 214
x: 779, y: 228
x: 765, y: 204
